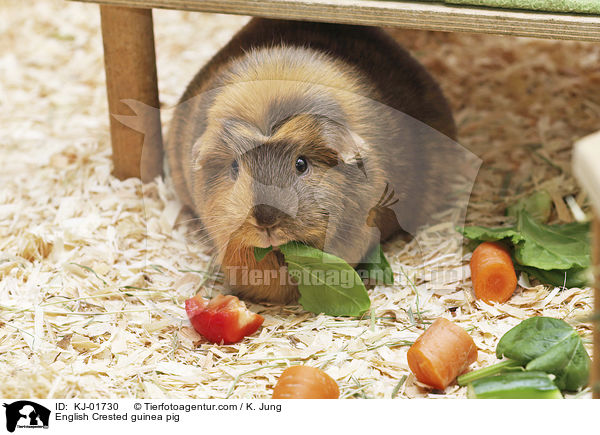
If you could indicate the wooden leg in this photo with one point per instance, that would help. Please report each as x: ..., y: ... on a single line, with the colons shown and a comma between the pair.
x: 130, y: 64
x: 595, y: 378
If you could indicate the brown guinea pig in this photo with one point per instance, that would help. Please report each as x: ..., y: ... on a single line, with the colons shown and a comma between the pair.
x: 330, y: 135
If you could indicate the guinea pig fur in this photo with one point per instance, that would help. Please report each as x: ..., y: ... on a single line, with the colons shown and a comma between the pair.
x: 306, y: 132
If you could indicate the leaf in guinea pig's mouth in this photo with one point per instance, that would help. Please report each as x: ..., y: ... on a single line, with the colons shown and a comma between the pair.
x: 260, y: 253
x: 327, y: 284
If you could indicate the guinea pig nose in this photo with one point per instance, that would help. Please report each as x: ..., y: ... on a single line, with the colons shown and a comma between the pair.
x: 265, y: 215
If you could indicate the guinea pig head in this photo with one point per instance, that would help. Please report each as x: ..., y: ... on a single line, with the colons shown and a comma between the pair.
x: 264, y: 187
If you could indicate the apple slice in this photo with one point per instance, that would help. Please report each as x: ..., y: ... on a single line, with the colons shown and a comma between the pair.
x: 223, y: 319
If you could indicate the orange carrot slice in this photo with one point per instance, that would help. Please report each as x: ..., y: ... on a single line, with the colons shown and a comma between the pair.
x: 304, y: 382
x: 493, y: 273
x: 441, y: 353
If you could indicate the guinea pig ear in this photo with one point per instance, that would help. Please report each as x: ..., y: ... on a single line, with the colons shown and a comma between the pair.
x: 197, y: 154
x: 347, y: 144
x: 352, y: 148
x: 202, y: 154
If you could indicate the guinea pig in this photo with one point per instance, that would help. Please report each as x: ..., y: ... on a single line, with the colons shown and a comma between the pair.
x: 327, y: 134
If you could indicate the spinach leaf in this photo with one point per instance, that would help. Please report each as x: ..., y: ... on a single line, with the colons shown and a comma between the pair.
x: 550, y: 247
x: 376, y: 267
x: 568, y: 360
x: 531, y: 338
x: 327, y: 284
x: 549, y: 345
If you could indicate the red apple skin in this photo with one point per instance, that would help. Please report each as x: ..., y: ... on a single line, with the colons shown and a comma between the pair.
x: 223, y: 319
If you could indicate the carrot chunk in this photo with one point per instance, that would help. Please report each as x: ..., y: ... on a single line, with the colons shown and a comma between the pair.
x: 304, y: 382
x: 493, y: 273
x: 441, y: 353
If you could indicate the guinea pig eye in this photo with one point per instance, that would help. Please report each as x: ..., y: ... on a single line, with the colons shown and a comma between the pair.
x: 301, y: 165
x: 235, y: 169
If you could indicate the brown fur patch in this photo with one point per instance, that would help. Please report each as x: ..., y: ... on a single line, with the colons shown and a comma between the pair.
x: 264, y: 280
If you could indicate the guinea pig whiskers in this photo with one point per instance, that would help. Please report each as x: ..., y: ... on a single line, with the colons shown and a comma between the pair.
x: 216, y: 229
x: 192, y: 219
x: 206, y: 241
x: 209, y: 228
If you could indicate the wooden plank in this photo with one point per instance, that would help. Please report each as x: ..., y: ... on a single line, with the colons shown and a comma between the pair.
x: 586, y: 164
x: 130, y: 65
x: 428, y: 16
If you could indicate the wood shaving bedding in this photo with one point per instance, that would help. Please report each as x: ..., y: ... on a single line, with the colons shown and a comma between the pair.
x: 94, y: 271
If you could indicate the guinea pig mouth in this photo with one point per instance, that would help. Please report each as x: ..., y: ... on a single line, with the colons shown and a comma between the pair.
x: 265, y: 237
x: 268, y: 238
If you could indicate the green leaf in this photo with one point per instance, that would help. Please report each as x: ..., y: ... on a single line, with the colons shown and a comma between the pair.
x: 538, y: 205
x: 327, y: 284
x: 531, y: 338
x: 484, y: 234
x: 550, y: 247
x: 260, y: 253
x: 551, y: 345
x: 514, y: 385
x: 376, y: 267
x: 568, y: 361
